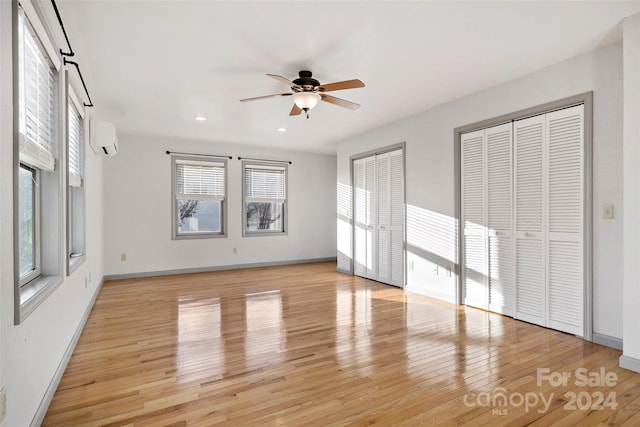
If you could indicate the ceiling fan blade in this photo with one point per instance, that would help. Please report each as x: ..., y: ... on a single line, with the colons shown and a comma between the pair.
x: 266, y: 96
x: 285, y: 81
x: 347, y: 84
x: 295, y: 111
x: 340, y: 102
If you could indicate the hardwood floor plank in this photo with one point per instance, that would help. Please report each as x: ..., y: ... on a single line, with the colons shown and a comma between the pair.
x: 304, y: 345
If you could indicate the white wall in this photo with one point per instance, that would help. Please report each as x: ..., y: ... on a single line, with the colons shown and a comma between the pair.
x: 631, y: 290
x: 429, y: 137
x: 138, y: 210
x: 31, y: 352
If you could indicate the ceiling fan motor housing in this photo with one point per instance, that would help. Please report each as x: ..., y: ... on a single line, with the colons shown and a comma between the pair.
x: 306, y: 81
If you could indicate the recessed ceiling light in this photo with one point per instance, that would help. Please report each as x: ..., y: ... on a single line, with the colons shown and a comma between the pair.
x: 200, y: 118
x: 281, y: 130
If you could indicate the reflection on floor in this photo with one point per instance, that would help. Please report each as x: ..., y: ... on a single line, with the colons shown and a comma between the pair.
x: 305, y: 345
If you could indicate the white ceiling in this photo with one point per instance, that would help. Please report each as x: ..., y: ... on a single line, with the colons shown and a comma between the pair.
x: 151, y: 66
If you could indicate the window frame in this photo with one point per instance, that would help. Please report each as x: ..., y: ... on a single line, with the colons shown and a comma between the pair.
x: 76, y: 195
x: 175, y: 234
x: 285, y: 203
x: 32, y: 289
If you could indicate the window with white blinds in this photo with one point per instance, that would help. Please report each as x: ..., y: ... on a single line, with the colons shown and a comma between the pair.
x: 200, y: 180
x: 39, y: 191
x: 75, y: 146
x: 200, y: 192
x: 37, y: 99
x: 264, y: 183
x: 265, y: 197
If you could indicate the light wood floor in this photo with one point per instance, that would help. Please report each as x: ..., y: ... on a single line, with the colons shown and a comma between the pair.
x: 304, y: 345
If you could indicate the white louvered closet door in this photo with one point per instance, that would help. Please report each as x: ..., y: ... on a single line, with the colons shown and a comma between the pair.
x: 565, y: 277
x: 473, y: 217
x: 498, y: 154
x: 371, y: 215
x: 379, y: 217
x: 523, y: 189
x: 360, y: 219
x: 397, y: 214
x: 390, y: 179
x: 384, y: 218
x: 529, y: 189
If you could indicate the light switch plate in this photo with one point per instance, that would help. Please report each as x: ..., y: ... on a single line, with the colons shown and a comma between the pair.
x: 607, y: 211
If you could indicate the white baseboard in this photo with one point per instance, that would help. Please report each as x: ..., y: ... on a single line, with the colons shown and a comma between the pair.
x: 216, y: 268
x: 630, y: 363
x: 607, y: 340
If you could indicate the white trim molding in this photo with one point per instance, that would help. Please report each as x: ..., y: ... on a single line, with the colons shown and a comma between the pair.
x: 630, y: 363
x: 216, y: 268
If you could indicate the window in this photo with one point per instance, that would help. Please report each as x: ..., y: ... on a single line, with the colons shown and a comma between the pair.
x: 264, y: 199
x: 37, y: 177
x: 29, y: 259
x: 199, y: 197
x: 76, y: 188
x: 37, y: 100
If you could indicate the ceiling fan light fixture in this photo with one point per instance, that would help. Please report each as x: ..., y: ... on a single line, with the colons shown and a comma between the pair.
x: 306, y: 100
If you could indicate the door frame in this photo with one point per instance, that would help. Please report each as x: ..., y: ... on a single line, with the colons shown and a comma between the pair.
x: 587, y: 100
x: 362, y: 155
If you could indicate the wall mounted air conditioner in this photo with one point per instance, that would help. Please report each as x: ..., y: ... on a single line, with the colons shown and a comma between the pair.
x: 103, y: 138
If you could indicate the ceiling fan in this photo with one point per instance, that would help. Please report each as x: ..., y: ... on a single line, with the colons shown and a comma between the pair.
x: 307, y: 91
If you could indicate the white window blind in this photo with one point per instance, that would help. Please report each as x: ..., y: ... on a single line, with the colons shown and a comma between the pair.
x: 37, y: 99
x: 264, y: 183
x: 75, y: 147
x: 200, y: 180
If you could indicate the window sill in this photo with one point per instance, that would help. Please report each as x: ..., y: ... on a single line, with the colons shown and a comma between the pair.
x: 190, y: 236
x: 263, y: 233
x: 34, y: 293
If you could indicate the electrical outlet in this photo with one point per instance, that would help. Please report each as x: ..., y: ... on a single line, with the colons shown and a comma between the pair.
x: 607, y: 211
x: 123, y: 257
x: 3, y: 403
x: 86, y: 281
x: 235, y: 250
